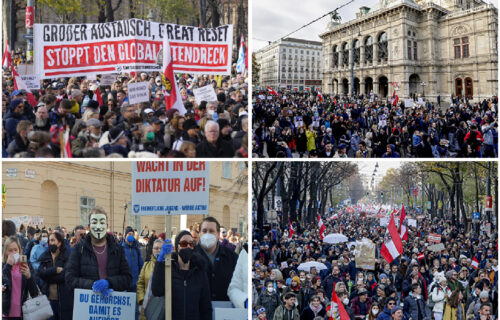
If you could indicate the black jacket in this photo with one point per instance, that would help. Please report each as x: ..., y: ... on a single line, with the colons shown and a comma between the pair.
x: 223, y: 149
x: 26, y: 285
x: 190, y: 291
x: 82, y: 269
x: 220, y: 274
x: 48, y: 273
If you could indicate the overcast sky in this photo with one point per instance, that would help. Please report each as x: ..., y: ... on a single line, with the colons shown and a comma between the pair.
x: 273, y: 19
x: 366, y: 169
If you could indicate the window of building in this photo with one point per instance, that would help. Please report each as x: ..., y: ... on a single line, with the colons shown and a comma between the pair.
x: 369, y: 49
x: 468, y: 88
x: 336, y: 56
x: 456, y: 48
x: 357, y: 52
x: 465, y: 47
x: 345, y: 54
x: 226, y: 170
x: 383, y: 53
x: 414, y: 50
x: 409, y: 44
x: 86, y: 206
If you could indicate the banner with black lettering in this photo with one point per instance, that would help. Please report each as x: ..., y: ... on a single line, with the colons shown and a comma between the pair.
x: 66, y: 50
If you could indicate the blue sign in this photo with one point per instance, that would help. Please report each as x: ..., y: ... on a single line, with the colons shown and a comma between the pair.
x: 419, y: 210
x: 27, y: 36
x: 476, y: 216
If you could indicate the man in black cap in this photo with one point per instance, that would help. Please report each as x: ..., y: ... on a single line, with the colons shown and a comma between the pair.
x: 397, y: 313
x: 118, y: 143
x: 191, y: 131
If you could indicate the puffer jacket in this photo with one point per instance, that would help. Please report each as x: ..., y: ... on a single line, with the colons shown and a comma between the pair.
x: 190, y: 290
x: 26, y: 285
x: 411, y: 307
x: 270, y: 302
x: 135, y: 262
x: 438, y: 297
x: 144, y: 276
x: 82, y: 269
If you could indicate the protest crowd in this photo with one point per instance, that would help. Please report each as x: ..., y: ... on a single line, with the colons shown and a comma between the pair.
x: 296, y: 275
x: 290, y: 124
x: 209, y: 263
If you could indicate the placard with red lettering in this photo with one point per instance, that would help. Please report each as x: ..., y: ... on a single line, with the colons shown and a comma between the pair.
x: 434, y: 238
x: 170, y: 188
x: 65, y: 50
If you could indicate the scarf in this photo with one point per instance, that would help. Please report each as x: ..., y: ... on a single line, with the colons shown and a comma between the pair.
x: 317, y: 309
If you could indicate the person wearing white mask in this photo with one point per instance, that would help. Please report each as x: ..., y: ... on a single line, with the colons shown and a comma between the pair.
x: 17, y: 279
x: 220, y: 261
x: 39, y: 249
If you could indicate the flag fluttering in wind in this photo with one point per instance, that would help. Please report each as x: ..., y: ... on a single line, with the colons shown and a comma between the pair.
x: 240, y: 65
x: 171, y: 91
x: 322, y: 227
x: 7, y: 57
x: 392, y: 246
x: 403, y: 232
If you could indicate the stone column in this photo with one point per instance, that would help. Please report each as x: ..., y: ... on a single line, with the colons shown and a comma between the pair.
x: 375, y: 53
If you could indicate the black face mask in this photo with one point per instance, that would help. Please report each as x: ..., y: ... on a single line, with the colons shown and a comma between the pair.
x: 186, y: 254
x: 53, y: 248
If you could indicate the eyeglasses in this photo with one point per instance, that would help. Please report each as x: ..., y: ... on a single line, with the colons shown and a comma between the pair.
x: 391, y: 304
x: 185, y: 243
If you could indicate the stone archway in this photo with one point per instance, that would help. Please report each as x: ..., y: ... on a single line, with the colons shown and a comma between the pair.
x: 356, y: 86
x: 345, y: 86
x: 383, y: 86
x: 49, y: 203
x: 368, y: 85
x: 413, y: 84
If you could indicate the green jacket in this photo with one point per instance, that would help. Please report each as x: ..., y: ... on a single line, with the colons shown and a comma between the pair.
x: 281, y: 313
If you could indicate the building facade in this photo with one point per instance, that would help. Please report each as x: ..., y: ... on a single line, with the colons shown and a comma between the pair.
x: 423, y: 48
x: 290, y: 63
x: 64, y: 193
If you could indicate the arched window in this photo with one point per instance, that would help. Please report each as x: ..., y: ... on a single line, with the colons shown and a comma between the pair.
x: 335, y: 56
x: 357, y: 52
x: 369, y: 49
x: 383, y: 53
x: 345, y: 54
x: 469, y: 92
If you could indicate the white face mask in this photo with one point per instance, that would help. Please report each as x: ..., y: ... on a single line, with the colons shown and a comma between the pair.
x: 45, y: 240
x: 156, y: 254
x: 16, y: 257
x: 98, y: 225
x: 374, y: 311
x: 208, y: 240
x: 302, y: 279
x: 346, y: 301
x: 270, y: 289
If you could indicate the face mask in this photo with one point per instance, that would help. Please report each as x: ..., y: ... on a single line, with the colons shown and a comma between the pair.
x: 302, y: 279
x: 207, y: 241
x: 98, y: 224
x: 270, y: 289
x: 95, y: 136
x: 186, y: 254
x: 44, y: 240
x: 211, y: 112
x: 53, y: 248
x: 375, y: 311
x: 156, y: 254
x: 130, y: 238
x: 16, y: 257
x: 345, y: 301
x: 150, y: 136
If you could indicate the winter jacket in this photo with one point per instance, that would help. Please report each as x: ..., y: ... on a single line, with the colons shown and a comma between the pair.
x: 17, y: 145
x: 311, y: 140
x: 190, y: 290
x: 48, y: 273
x: 356, y: 308
x: 36, y: 253
x: 269, y: 301
x: 308, y: 314
x: 26, y: 285
x: 82, y: 269
x: 12, y: 119
x: 438, y: 297
x: 143, y: 280
x: 222, y: 149
x: 412, y: 306
x: 281, y: 313
x: 219, y: 275
x: 238, y: 288
x: 451, y: 313
x: 385, y: 314
x: 135, y: 262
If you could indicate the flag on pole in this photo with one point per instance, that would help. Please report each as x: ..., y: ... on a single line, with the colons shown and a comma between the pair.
x: 271, y: 91
x: 97, y: 97
x: 320, y: 96
x: 7, y: 57
x: 392, y: 246
x: 65, y: 144
x: 395, y: 98
x: 291, y: 230
x: 475, y: 263
x: 335, y: 299
x: 171, y: 91
x: 402, y: 228
x: 20, y: 85
x: 322, y: 227
x: 240, y: 65
x: 420, y: 256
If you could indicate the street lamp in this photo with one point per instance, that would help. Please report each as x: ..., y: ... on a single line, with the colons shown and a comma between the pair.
x: 423, y: 84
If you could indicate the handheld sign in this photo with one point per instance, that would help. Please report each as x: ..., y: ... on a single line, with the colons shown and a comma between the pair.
x: 32, y: 81
x: 206, y: 93
x: 138, y: 92
x: 91, y: 305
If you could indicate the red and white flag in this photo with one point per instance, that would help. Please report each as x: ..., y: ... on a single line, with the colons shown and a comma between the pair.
x: 7, y: 57
x: 291, y: 230
x: 20, y: 85
x: 322, y: 227
x: 271, y: 91
x: 392, y: 246
x: 342, y: 312
x: 97, y: 97
x: 320, y: 96
x: 395, y: 98
x: 171, y: 91
x: 402, y: 228
x: 475, y: 263
x: 65, y: 144
x: 421, y: 256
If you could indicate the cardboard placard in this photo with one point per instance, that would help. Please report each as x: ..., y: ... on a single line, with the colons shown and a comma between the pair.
x: 91, y: 305
x: 138, y: 92
x: 206, y: 93
x: 434, y: 238
x: 32, y: 81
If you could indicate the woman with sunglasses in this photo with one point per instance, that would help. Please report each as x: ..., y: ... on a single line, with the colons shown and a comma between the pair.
x: 190, y: 287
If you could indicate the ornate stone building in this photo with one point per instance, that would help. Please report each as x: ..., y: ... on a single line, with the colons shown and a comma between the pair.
x: 431, y: 48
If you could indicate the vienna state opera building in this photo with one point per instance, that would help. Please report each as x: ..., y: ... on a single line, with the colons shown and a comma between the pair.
x: 424, y: 48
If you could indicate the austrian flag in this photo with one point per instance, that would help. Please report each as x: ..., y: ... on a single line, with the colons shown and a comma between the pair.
x: 403, y: 232
x: 475, y: 263
x: 322, y: 228
x: 392, y: 246
x: 271, y: 91
x: 291, y: 230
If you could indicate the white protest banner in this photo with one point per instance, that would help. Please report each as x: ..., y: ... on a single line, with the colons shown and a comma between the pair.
x: 412, y: 222
x: 420, y: 101
x: 262, y: 97
x: 138, y: 92
x: 32, y: 81
x: 91, y: 305
x: 92, y: 77
x: 364, y: 254
x: 65, y: 50
x: 170, y: 188
x: 206, y: 93
x: 35, y: 221
x: 436, y: 247
x: 409, y: 103
x: 384, y: 222
x: 20, y: 84
x: 108, y: 79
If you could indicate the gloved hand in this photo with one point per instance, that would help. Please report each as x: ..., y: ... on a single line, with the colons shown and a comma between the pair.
x: 166, y: 248
x: 102, y: 286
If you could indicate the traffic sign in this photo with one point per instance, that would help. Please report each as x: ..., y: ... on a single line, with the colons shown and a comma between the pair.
x: 476, y: 216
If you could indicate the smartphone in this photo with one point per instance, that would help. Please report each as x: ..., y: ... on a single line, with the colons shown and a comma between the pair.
x: 23, y: 259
